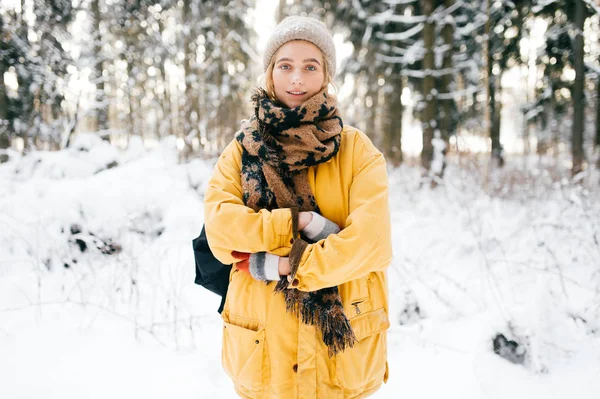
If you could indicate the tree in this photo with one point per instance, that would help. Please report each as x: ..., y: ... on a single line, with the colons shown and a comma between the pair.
x: 38, y: 62
x: 447, y: 117
x: 428, y: 119
x: 427, y: 39
x: 5, y: 127
x: 597, y: 141
x: 101, y: 106
x: 507, y: 19
x: 564, y: 51
x: 578, y: 95
x: 227, y: 60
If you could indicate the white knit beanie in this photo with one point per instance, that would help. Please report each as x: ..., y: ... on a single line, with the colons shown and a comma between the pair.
x: 302, y: 28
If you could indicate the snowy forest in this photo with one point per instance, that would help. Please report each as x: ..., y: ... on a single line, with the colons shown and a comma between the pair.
x: 113, y: 113
x: 185, y: 69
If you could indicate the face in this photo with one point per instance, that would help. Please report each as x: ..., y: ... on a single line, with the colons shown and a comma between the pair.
x: 298, y: 73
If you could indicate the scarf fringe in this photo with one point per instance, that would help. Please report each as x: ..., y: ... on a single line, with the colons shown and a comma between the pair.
x: 337, y: 334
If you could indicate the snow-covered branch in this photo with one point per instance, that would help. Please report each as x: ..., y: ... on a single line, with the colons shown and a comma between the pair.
x: 541, y: 4
x: 471, y: 27
x: 389, y: 16
x: 593, y: 67
x: 595, y: 7
x: 401, y: 35
x: 399, y: 2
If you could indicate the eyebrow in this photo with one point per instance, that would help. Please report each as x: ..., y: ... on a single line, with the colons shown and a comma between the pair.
x: 306, y: 60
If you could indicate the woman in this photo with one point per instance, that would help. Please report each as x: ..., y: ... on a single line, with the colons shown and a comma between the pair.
x: 299, y: 203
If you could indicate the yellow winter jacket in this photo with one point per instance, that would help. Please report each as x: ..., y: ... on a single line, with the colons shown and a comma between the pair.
x: 269, y: 353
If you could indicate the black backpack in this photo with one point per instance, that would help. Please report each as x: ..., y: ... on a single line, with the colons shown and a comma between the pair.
x: 210, y: 273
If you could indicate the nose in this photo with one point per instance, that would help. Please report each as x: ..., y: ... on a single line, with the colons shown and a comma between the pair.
x: 297, y: 79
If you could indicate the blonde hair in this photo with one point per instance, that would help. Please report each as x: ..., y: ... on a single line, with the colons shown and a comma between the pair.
x: 266, y: 80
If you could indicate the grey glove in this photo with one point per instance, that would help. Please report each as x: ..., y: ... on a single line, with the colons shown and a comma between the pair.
x: 320, y: 228
x: 264, y: 266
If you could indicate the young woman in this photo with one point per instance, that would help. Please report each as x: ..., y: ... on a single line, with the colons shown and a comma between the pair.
x: 299, y: 204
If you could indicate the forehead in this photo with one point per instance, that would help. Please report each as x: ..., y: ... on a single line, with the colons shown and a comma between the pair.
x: 299, y: 49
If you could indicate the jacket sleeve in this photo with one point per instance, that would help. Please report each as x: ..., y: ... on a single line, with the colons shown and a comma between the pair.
x: 364, y: 245
x: 232, y: 226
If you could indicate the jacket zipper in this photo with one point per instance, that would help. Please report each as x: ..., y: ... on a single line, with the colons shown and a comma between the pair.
x: 355, y: 304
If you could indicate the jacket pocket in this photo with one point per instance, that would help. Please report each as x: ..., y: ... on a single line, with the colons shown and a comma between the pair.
x: 366, y: 361
x: 243, y: 354
x: 356, y: 298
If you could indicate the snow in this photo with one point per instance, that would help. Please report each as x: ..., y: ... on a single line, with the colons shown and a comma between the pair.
x: 467, y: 266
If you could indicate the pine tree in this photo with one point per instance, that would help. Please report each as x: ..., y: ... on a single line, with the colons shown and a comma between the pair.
x: 39, y: 62
x: 578, y: 94
x: 101, y: 106
x: 564, y: 50
x: 227, y: 69
x: 428, y: 119
x: 507, y: 20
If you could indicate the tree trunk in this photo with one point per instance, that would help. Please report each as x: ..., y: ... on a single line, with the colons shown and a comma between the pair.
x: 494, y: 106
x: 187, y: 63
x: 371, y: 77
x: 393, y: 129
x: 447, y: 104
x: 4, y: 122
x: 555, y: 138
x: 131, y: 102
x: 165, y: 123
x: 371, y: 127
x: 220, y: 139
x: 597, y: 141
x: 281, y: 10
x: 428, y: 115
x: 190, y: 107
x: 578, y: 95
x: 544, y: 137
x: 486, y: 81
x: 98, y: 68
x: 26, y: 109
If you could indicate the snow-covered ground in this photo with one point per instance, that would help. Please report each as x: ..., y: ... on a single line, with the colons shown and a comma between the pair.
x: 123, y: 319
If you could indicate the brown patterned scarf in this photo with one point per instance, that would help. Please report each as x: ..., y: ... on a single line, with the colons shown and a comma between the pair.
x: 279, y: 144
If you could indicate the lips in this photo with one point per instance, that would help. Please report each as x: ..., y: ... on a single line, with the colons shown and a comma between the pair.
x: 296, y: 93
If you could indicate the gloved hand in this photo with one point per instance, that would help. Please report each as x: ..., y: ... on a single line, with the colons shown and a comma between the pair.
x: 242, y: 261
x: 319, y: 228
x: 261, y: 265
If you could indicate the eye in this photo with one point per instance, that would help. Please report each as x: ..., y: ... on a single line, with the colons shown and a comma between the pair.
x: 311, y: 68
x: 284, y: 66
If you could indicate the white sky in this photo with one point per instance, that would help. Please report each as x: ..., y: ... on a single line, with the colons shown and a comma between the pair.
x: 264, y: 21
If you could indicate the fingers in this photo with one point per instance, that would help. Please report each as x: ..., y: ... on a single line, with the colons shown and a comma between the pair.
x: 240, y: 255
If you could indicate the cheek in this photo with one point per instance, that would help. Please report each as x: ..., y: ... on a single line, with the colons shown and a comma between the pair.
x: 277, y: 78
x: 318, y: 81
